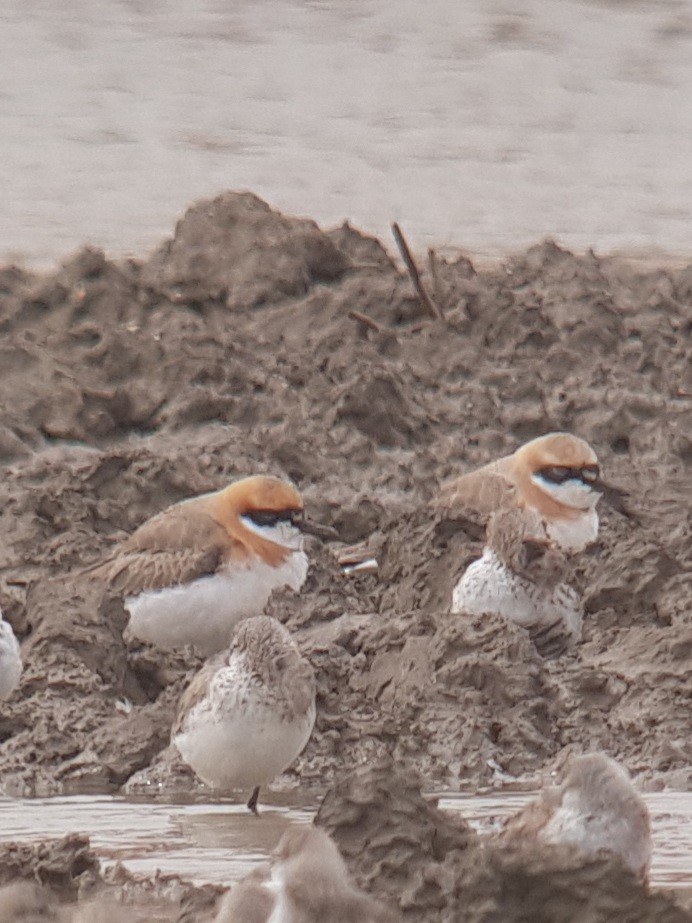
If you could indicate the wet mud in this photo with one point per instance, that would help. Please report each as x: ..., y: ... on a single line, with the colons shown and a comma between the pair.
x: 129, y: 385
x: 63, y: 881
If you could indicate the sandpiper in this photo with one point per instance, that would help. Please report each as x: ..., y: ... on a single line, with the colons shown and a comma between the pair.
x: 595, y: 807
x: 10, y: 660
x: 308, y: 883
x: 249, y: 712
x: 192, y: 572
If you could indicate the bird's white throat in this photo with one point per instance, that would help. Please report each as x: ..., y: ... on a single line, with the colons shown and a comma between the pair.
x: 282, y: 533
x: 573, y: 493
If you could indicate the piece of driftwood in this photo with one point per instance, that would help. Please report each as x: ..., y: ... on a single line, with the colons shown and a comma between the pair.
x: 365, y: 320
x: 426, y: 301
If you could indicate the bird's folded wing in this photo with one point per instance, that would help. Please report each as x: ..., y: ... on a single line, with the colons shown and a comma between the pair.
x: 551, y: 640
x: 475, y: 495
x: 130, y: 573
x: 183, y: 526
x: 298, y: 686
x: 168, y: 550
x: 196, y: 691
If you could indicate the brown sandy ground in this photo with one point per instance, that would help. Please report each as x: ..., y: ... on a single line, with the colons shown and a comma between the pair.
x: 127, y: 386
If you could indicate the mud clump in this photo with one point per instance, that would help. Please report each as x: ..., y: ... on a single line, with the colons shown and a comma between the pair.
x: 62, y: 881
x: 127, y: 386
x: 267, y: 256
x: 394, y: 841
x: 59, y: 864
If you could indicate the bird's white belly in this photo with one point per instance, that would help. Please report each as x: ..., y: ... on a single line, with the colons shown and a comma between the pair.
x: 591, y: 832
x: 487, y: 586
x: 205, y: 611
x: 249, y: 748
x: 282, y: 912
x: 10, y: 661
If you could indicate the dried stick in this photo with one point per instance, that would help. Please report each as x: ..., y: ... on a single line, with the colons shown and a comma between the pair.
x: 367, y: 321
x: 434, y: 275
x: 426, y: 301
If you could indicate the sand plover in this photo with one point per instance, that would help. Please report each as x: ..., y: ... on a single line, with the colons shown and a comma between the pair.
x: 542, y: 497
x: 595, y: 807
x: 308, y: 883
x: 10, y: 660
x: 249, y: 712
x: 189, y: 574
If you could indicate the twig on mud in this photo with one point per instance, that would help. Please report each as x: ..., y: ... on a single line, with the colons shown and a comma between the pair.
x: 365, y: 320
x: 424, y: 298
x: 434, y: 275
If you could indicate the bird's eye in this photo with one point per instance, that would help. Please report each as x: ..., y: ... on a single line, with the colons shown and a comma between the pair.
x: 263, y: 517
x: 556, y: 474
x: 271, y: 517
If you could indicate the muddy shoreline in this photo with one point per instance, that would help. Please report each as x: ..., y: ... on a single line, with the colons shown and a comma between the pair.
x: 130, y: 385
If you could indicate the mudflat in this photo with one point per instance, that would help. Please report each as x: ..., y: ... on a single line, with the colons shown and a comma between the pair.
x: 233, y: 349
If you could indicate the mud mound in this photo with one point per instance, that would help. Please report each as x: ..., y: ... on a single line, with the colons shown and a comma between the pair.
x: 395, y: 843
x: 127, y: 386
x: 62, y: 881
x: 63, y: 865
x: 556, y: 886
x: 267, y: 256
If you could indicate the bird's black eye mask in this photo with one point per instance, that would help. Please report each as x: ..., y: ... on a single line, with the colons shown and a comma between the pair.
x: 274, y: 517
x: 295, y: 517
x: 559, y: 474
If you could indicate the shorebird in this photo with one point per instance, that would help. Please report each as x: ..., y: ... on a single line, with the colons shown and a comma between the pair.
x: 595, y: 807
x: 308, y: 883
x: 554, y: 479
x: 10, y: 660
x: 249, y: 712
x: 190, y: 573
x: 541, y: 499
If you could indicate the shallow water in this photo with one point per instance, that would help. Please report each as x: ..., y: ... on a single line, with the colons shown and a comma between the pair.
x: 484, y: 124
x: 221, y: 842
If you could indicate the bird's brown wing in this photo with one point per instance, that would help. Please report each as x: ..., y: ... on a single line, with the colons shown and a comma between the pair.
x: 184, y: 525
x: 476, y: 495
x: 130, y: 573
x: 298, y: 685
x: 174, y: 547
x: 527, y: 824
x: 196, y: 691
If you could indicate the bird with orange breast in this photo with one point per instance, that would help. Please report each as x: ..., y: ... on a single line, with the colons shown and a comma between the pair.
x: 192, y: 572
x: 539, y: 501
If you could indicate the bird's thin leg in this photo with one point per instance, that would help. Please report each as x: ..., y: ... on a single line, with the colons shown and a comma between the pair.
x: 252, y: 803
